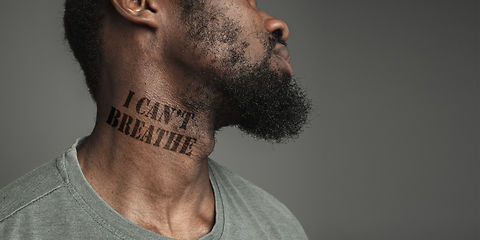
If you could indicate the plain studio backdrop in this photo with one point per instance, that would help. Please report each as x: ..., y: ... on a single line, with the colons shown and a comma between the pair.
x: 392, y: 149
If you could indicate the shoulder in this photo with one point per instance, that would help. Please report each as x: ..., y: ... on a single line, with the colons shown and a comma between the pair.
x: 250, y: 210
x: 29, y: 188
x: 45, y: 204
x: 234, y: 184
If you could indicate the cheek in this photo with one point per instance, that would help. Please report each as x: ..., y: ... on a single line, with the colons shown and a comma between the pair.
x: 224, y: 37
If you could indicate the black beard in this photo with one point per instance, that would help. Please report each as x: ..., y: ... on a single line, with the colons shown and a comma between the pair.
x: 263, y: 103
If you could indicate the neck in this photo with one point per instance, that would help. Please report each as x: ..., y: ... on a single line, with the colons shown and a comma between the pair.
x: 147, y: 158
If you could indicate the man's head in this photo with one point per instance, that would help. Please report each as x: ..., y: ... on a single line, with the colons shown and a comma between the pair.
x: 233, y: 55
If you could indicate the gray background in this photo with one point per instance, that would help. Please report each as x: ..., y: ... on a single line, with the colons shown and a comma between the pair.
x: 392, y: 150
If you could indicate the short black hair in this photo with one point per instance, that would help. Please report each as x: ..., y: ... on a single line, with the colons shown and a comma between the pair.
x: 82, y: 22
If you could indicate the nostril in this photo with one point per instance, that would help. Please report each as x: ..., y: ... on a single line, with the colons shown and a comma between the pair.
x: 278, y: 36
x: 277, y: 27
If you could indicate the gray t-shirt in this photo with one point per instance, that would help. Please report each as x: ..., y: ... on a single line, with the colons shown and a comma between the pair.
x: 55, y: 201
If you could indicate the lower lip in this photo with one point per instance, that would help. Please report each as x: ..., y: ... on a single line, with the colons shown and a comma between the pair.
x: 287, y: 67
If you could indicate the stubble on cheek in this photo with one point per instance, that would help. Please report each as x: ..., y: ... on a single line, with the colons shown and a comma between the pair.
x: 213, y: 35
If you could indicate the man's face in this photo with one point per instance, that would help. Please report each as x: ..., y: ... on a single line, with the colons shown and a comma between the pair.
x: 243, y: 75
x: 230, y: 36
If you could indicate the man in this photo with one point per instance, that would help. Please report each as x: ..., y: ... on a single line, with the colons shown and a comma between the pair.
x: 165, y: 75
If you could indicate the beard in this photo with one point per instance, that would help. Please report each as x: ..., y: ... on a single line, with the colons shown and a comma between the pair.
x: 262, y: 103
x: 259, y: 99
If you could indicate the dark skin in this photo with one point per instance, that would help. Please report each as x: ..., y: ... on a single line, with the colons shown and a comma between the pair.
x: 147, y: 51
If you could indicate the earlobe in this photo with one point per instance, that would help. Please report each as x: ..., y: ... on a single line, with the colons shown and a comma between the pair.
x: 138, y: 11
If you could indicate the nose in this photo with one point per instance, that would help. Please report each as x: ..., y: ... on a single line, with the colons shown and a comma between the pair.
x: 274, y: 24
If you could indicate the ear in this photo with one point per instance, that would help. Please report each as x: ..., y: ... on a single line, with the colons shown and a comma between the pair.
x: 139, y: 11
